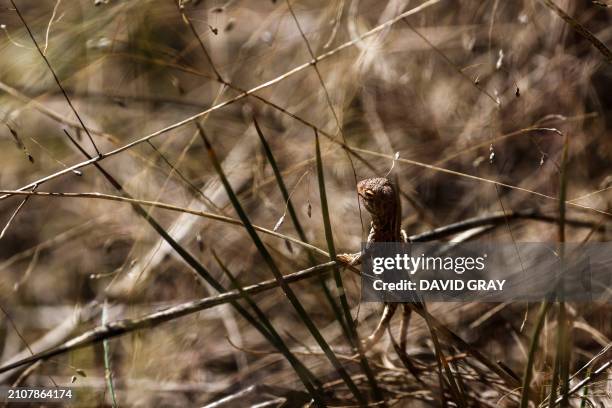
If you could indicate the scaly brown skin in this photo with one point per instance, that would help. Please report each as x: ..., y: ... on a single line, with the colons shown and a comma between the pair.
x: 381, y: 200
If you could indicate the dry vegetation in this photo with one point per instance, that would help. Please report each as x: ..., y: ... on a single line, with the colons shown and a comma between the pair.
x: 482, y: 92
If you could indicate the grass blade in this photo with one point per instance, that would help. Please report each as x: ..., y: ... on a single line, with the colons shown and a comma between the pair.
x: 348, y: 318
x: 585, y: 392
x: 312, y: 328
x: 298, y: 226
x: 561, y: 364
x: 533, y: 345
x: 108, y: 373
x: 563, y: 333
x: 579, y: 28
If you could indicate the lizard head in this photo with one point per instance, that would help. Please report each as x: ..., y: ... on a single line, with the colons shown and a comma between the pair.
x: 378, y: 195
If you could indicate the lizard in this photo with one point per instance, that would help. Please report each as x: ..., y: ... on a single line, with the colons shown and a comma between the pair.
x: 380, y: 198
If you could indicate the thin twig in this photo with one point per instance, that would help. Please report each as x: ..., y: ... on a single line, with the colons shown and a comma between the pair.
x: 165, y: 206
x: 57, y: 3
x: 12, y: 217
x: 55, y: 77
x: 481, y: 179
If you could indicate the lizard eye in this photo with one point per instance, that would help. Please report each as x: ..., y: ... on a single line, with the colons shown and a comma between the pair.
x: 368, y: 193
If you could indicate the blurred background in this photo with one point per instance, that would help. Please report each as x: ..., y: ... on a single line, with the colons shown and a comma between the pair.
x: 488, y: 89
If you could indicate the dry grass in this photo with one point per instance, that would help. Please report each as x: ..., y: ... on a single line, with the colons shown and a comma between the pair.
x: 475, y: 96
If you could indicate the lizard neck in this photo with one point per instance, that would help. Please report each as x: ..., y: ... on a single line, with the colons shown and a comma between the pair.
x: 386, y: 227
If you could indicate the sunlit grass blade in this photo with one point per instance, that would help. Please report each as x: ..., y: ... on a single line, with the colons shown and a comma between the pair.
x: 348, y: 318
x: 308, y: 379
x: 533, y: 346
x: 585, y: 392
x: 108, y: 372
x: 561, y: 364
x: 563, y: 333
x: 297, y: 225
x: 312, y: 328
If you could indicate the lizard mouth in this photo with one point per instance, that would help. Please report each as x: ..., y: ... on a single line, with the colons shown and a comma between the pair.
x: 360, y: 193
